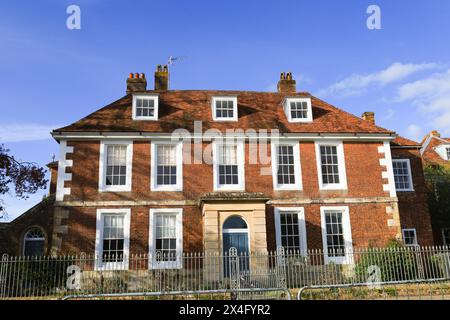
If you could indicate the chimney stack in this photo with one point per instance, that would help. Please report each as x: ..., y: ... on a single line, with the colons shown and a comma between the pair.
x: 435, y: 133
x: 286, y: 84
x: 136, y: 83
x: 162, y: 78
x: 369, y: 116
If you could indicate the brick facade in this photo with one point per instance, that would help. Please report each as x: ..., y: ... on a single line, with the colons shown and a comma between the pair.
x: 413, y: 206
x: 369, y: 217
x: 376, y: 214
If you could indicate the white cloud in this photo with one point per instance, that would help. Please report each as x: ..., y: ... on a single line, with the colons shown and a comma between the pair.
x: 17, y: 132
x: 414, y: 132
x: 431, y: 96
x: 434, y: 85
x: 357, y: 83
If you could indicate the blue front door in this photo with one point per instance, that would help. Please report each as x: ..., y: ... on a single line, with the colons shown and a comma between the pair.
x: 240, y: 242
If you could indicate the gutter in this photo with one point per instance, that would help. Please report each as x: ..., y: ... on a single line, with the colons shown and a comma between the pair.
x: 141, y: 135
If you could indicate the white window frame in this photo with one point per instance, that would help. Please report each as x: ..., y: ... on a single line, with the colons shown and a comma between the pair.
x: 415, y: 237
x: 297, y: 167
x: 287, y: 109
x: 153, y: 165
x: 227, y: 98
x: 102, y: 187
x: 99, y: 265
x: 342, y: 185
x: 301, y: 226
x: 347, y: 231
x: 154, y: 97
x: 408, y: 166
x: 153, y: 263
x: 240, y: 149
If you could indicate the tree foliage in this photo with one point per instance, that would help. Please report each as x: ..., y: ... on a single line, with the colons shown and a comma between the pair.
x: 24, y: 177
x: 438, y: 183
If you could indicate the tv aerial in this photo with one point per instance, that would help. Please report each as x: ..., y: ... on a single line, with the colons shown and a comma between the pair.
x: 171, y: 60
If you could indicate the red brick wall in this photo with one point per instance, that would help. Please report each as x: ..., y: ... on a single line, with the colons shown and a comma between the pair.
x: 413, y: 206
x: 364, y: 179
x: 360, y: 159
x: 368, y: 223
x: 82, y: 229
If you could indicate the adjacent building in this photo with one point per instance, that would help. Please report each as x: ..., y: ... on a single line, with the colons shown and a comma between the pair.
x: 435, y: 152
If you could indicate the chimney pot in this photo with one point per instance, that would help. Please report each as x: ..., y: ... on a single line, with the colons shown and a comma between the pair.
x: 369, y: 116
x: 136, y: 83
x: 286, y: 84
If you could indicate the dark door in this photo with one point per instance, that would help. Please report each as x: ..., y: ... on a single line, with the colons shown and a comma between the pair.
x: 240, y: 242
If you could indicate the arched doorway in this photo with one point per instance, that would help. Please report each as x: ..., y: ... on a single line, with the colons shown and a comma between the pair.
x: 34, y: 242
x: 235, y: 235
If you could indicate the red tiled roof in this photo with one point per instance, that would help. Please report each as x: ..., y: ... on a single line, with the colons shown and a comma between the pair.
x: 403, y: 142
x: 259, y: 110
x: 430, y: 156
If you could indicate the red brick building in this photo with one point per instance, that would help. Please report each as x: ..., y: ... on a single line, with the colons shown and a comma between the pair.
x: 150, y: 172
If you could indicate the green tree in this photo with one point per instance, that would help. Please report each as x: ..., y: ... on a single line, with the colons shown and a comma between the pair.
x: 438, y: 183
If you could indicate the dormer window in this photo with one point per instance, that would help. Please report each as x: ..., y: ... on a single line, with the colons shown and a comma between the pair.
x: 224, y: 108
x: 443, y: 151
x: 145, y: 107
x: 298, y: 109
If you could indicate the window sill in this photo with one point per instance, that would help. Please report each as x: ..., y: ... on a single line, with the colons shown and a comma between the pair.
x: 287, y: 188
x: 166, y: 189
x: 229, y: 188
x: 332, y: 187
x: 145, y: 119
x: 109, y: 189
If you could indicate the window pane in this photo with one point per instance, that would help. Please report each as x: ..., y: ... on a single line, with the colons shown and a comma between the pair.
x: 409, y: 237
x: 401, y: 175
x: 116, y: 165
x: 290, y: 233
x: 166, y: 166
x: 224, y: 109
x: 335, y: 235
x: 165, y: 237
x: 286, y: 171
x: 299, y: 110
x: 113, y: 238
x: 228, y: 164
x: 329, y: 164
x: 145, y: 107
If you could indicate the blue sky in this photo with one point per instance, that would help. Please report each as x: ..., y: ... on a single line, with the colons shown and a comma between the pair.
x: 52, y: 76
